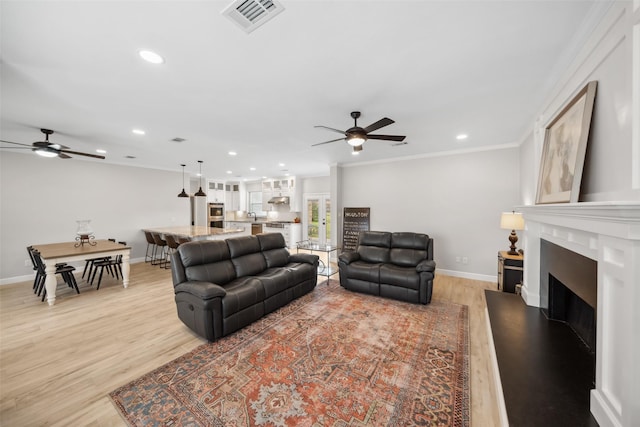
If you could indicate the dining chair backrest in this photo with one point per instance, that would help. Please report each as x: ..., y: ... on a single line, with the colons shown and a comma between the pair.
x: 31, y: 257
x: 38, y: 262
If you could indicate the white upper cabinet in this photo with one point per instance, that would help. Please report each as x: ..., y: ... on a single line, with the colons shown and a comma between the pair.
x: 215, y: 193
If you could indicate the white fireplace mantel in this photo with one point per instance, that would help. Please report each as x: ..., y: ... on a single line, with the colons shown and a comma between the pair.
x: 608, y: 232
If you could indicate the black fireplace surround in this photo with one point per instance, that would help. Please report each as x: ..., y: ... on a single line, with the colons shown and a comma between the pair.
x: 569, y: 291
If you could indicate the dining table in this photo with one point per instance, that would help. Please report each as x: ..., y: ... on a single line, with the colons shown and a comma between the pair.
x: 65, y: 252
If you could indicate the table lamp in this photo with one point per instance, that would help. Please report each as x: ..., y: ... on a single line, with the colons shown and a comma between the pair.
x: 512, y: 221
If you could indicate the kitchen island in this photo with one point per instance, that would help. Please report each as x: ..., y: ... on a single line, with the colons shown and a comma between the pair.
x: 197, y: 232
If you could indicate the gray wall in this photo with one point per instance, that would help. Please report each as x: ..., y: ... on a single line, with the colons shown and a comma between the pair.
x: 456, y: 199
x: 612, y: 165
x: 41, y: 199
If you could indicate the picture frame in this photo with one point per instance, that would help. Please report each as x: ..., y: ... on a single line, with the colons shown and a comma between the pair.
x: 564, y: 150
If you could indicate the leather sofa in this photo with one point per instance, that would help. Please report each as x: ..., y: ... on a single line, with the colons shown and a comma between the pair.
x: 224, y: 285
x: 392, y: 265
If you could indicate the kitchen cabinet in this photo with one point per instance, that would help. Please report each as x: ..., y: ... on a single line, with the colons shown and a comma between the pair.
x: 286, y: 186
x: 267, y: 192
x: 215, y: 193
x: 292, y: 232
x: 232, y: 197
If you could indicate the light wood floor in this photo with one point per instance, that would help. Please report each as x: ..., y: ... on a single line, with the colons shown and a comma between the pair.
x: 57, y: 364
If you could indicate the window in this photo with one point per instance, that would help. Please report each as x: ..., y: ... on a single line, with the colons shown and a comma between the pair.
x: 255, y: 203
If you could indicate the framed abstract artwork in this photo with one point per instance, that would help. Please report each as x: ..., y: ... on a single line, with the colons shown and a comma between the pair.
x: 565, y: 147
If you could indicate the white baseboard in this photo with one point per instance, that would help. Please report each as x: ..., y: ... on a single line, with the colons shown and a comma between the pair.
x: 467, y: 275
x: 30, y: 277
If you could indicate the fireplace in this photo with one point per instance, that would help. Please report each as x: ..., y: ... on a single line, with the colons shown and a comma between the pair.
x: 569, y: 292
x: 567, y: 248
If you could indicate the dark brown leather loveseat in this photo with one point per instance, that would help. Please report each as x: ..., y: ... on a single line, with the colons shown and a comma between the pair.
x: 224, y: 285
x: 392, y: 265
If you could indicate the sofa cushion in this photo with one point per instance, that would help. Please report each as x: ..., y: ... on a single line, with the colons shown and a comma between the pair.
x: 373, y: 246
x: 300, y: 271
x: 274, y: 249
x: 246, y: 256
x: 408, y: 249
x: 241, y: 293
x: 274, y: 281
x: 203, y: 252
x: 405, y: 277
x: 365, y: 271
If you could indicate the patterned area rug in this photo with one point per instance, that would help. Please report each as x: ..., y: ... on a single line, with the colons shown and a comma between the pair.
x: 330, y: 358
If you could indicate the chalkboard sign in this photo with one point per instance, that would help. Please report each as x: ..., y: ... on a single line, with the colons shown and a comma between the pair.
x: 355, y: 221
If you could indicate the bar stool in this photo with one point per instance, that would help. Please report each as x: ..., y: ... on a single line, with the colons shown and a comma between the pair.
x: 162, y: 245
x: 151, y: 244
x: 172, y: 245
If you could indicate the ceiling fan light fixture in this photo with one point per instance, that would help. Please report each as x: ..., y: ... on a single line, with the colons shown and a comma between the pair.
x: 45, y: 152
x: 355, y: 140
x: 151, y: 57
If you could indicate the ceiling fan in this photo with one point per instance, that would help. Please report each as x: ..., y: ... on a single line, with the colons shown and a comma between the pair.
x: 356, y: 136
x: 48, y: 149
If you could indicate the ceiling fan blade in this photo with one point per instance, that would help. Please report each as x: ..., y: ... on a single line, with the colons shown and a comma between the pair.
x: 326, y: 142
x: 379, y: 124
x: 16, y: 143
x: 96, y: 156
x: 63, y: 156
x: 19, y: 148
x: 387, y: 137
x: 335, y: 130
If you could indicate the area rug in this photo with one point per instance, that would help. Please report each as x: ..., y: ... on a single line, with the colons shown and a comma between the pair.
x: 330, y: 358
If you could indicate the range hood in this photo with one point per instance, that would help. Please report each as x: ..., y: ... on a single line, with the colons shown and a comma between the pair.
x: 280, y: 200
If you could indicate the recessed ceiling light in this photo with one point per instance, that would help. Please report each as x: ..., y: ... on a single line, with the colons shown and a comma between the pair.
x: 101, y: 151
x: 151, y: 57
x: 281, y: 164
x: 138, y: 131
x: 462, y: 136
x: 229, y: 172
x: 233, y: 153
x: 252, y: 168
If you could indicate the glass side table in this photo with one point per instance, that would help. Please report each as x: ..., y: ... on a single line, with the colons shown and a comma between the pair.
x: 323, y: 269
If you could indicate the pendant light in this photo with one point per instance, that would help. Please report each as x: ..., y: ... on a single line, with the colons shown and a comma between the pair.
x: 200, y: 193
x: 184, y: 193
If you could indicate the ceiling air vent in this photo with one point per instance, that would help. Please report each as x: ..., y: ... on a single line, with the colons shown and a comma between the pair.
x: 250, y: 14
x: 178, y: 139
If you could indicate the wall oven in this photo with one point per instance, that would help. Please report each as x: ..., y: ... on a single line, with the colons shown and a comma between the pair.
x: 216, y: 215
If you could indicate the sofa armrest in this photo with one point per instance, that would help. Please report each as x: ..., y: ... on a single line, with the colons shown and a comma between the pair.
x: 426, y: 265
x: 348, y: 257
x: 306, y: 258
x: 202, y: 290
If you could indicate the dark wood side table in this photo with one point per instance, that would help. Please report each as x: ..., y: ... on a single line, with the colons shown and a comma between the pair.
x: 510, y: 269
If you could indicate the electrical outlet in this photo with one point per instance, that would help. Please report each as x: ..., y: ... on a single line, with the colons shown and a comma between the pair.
x: 457, y: 259
x: 27, y: 263
x: 465, y: 260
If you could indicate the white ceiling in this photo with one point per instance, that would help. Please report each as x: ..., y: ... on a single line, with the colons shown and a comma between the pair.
x: 438, y: 68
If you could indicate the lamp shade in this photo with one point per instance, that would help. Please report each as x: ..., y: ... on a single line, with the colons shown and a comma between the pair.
x: 512, y: 221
